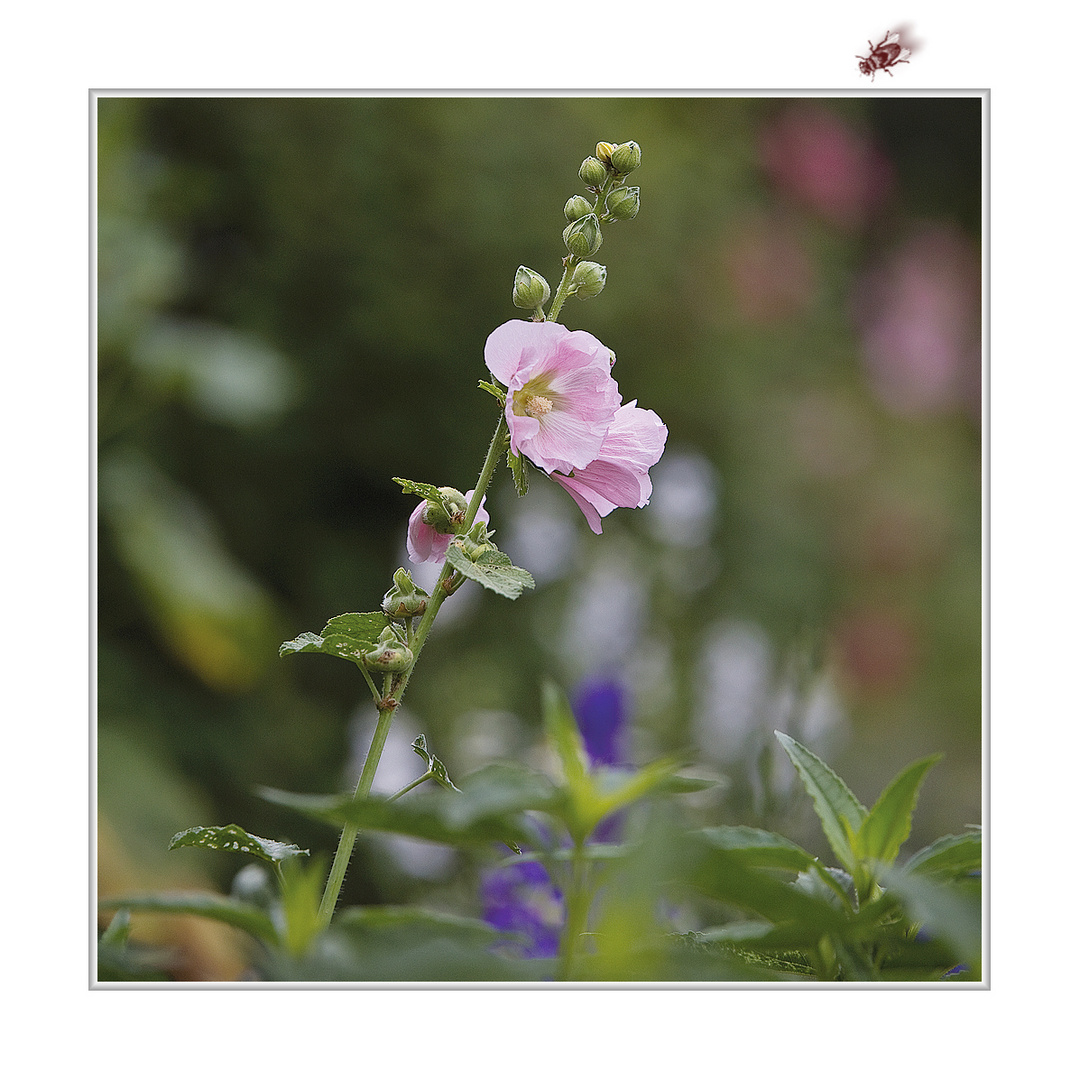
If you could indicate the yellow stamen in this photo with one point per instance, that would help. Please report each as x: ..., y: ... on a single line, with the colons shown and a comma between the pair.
x: 536, y: 406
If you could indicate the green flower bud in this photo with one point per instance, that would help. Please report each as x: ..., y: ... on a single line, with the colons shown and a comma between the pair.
x: 589, y: 280
x: 583, y: 237
x: 577, y: 206
x: 456, y: 506
x: 622, y: 203
x: 626, y: 157
x: 389, y: 654
x: 593, y: 171
x: 406, y: 599
x: 530, y: 289
x: 603, y: 151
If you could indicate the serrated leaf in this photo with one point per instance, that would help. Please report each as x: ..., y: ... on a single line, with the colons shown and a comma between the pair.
x: 413, y: 487
x: 347, y: 636
x: 833, y: 800
x: 497, y: 392
x: 223, y: 909
x: 489, y: 807
x: 234, y: 838
x: 493, y: 569
x: 888, y: 824
x: 434, y: 765
x: 519, y: 468
x: 948, y: 855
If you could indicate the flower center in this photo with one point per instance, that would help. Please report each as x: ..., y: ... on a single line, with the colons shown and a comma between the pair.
x: 535, y: 405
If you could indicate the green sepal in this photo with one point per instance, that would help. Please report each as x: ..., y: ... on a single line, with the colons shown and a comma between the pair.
x: 888, y: 824
x: 492, y: 569
x: 434, y: 765
x: 347, y: 636
x: 519, y: 468
x: 233, y: 838
x: 840, y: 812
x: 497, y: 392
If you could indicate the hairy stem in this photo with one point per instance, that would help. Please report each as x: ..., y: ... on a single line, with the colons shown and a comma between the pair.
x: 396, y: 688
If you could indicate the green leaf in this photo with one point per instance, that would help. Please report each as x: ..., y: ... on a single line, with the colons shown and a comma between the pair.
x: 493, y: 570
x: 833, y: 800
x: 497, y: 392
x: 209, y: 905
x: 425, y: 491
x: 562, y: 731
x: 950, y: 912
x: 615, y: 788
x: 952, y: 856
x: 761, y: 848
x: 346, y: 636
x: 888, y: 824
x: 434, y: 765
x: 519, y: 467
x: 405, y: 944
x: 119, y: 929
x: 233, y: 838
x: 488, y: 808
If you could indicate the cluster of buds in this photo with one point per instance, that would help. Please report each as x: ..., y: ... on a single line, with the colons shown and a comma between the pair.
x: 604, y: 175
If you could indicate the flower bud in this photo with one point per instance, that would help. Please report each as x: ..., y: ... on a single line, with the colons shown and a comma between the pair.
x: 405, y: 600
x: 626, y: 157
x: 455, y: 504
x: 577, y: 206
x: 623, y: 202
x: 593, y: 171
x: 583, y: 237
x: 530, y: 289
x: 589, y: 280
x: 603, y: 151
x: 389, y: 654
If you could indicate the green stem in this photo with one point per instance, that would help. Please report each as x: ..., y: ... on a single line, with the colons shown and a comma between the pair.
x: 396, y: 689
x: 408, y: 787
x: 577, y: 914
x: 563, y: 291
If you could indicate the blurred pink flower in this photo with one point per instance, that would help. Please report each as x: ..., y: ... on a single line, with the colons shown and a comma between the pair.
x: 919, y: 314
x: 619, y: 476
x: 771, y: 274
x: 825, y: 163
x: 560, y: 398
x: 424, y: 543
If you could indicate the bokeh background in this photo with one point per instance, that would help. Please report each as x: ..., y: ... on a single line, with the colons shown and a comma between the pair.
x: 293, y: 298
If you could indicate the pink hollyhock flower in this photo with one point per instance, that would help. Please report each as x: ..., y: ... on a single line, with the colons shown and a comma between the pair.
x: 560, y: 396
x: 619, y: 475
x: 425, y: 544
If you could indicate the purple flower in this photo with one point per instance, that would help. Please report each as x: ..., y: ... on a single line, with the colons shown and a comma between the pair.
x: 521, y: 898
x: 600, y: 709
x: 619, y: 474
x: 426, y: 544
x: 560, y: 395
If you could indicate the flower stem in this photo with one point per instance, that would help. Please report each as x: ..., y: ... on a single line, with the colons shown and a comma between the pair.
x: 396, y: 689
x: 577, y: 913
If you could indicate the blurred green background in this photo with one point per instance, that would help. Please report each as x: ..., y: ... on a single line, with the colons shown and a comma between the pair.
x: 293, y: 298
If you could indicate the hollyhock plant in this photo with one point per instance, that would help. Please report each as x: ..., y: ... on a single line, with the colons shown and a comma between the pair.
x: 425, y: 543
x: 560, y: 396
x: 619, y: 475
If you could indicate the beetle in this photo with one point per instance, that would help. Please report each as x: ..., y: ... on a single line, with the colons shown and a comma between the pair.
x: 885, y: 54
